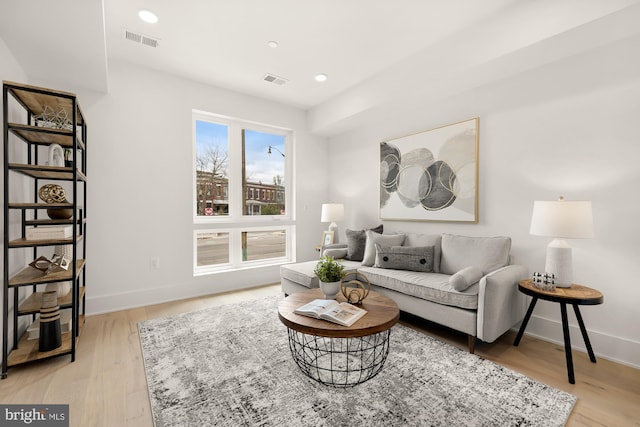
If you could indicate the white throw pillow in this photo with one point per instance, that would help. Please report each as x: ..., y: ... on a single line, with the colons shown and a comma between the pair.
x: 465, y: 278
x: 383, y: 239
x: 486, y: 253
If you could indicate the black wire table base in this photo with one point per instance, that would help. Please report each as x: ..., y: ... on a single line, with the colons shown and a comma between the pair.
x: 339, y: 362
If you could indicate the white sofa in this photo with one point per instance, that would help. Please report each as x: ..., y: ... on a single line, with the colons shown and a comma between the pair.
x: 486, y: 309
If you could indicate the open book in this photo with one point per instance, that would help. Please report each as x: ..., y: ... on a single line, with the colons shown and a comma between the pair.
x: 341, y: 313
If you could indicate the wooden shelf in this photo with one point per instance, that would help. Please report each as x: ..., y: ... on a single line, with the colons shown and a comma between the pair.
x: 41, y: 206
x: 44, y: 136
x: 27, y: 350
x: 24, y: 140
x: 53, y: 221
x: 47, y: 172
x: 33, y: 303
x: 24, y: 243
x: 34, y: 99
x: 32, y: 276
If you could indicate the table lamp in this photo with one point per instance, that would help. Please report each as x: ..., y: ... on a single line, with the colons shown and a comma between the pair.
x: 332, y: 212
x: 561, y: 220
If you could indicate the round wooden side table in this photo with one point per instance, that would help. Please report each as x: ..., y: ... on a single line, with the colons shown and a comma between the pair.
x: 575, y: 295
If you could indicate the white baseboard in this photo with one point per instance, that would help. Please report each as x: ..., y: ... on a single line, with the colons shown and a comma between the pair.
x: 141, y: 298
x: 616, y: 349
x: 605, y: 346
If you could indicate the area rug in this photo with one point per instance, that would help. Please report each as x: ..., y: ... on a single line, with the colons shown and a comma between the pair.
x: 231, y: 366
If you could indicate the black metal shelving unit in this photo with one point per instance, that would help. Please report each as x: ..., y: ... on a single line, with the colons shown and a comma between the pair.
x: 33, y: 139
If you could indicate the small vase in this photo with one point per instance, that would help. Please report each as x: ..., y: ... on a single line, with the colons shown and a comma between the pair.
x: 50, y: 332
x: 330, y: 289
x: 60, y: 288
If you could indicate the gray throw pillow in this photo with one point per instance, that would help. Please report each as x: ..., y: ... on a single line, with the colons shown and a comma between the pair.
x: 356, y: 242
x: 419, y: 239
x: 384, y: 239
x: 465, y: 278
x: 412, y: 258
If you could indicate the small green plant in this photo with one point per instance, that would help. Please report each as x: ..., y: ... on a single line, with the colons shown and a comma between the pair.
x: 329, y: 270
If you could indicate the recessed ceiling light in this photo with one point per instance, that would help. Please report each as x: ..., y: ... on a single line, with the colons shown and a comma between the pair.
x: 321, y: 77
x: 148, y: 16
x: 272, y: 44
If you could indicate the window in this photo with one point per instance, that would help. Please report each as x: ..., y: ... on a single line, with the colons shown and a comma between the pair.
x: 241, y: 186
x: 211, y: 163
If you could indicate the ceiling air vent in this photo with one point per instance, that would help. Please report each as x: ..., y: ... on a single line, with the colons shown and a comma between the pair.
x: 140, y: 38
x: 272, y: 78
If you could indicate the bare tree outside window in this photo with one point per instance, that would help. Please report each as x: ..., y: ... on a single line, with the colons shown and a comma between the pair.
x: 212, y: 161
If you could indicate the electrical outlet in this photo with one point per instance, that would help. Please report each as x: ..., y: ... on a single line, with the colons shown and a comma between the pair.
x: 155, y: 262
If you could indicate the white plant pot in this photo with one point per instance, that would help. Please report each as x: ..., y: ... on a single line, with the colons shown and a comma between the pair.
x: 330, y: 289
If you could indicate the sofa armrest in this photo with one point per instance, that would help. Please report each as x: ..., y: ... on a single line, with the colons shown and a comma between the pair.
x: 500, y: 304
x: 335, y: 250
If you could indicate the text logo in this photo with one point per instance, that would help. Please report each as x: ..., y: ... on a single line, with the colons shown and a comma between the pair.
x: 34, y: 415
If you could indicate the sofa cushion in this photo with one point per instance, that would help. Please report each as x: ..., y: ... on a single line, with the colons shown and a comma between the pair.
x: 412, y: 258
x: 428, y: 286
x: 435, y: 240
x: 486, y: 253
x: 302, y: 272
x: 465, y: 278
x: 356, y: 242
x: 384, y: 239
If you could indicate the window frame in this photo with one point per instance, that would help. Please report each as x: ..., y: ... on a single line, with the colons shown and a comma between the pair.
x: 236, y: 222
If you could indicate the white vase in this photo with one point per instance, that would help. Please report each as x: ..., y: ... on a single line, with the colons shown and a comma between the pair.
x: 61, y: 288
x: 330, y: 289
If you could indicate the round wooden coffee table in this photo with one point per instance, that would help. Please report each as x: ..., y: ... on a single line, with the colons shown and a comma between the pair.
x: 337, y: 355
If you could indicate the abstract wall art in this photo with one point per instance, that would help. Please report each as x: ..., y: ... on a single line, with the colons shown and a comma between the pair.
x: 431, y: 175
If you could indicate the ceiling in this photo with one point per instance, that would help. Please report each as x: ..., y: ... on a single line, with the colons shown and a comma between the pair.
x: 224, y: 43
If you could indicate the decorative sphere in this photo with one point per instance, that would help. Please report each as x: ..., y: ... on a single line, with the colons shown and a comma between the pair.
x: 52, y: 193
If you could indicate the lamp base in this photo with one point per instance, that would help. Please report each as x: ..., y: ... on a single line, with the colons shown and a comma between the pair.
x: 334, y: 227
x: 559, y: 263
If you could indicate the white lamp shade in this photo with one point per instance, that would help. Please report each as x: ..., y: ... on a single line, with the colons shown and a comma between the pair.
x: 332, y: 212
x: 562, y: 219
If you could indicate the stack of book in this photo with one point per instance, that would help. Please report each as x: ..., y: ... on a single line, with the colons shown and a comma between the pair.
x: 49, y: 232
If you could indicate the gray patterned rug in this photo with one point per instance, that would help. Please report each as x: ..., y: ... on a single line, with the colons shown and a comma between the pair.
x: 231, y: 366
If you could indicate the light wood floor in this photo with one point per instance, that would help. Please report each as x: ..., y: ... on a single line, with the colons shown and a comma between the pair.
x: 106, y: 385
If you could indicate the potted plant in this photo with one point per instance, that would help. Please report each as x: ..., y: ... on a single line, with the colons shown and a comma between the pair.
x: 330, y: 273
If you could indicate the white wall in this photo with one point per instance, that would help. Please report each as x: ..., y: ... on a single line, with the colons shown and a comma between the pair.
x: 140, y: 186
x: 567, y: 128
x: 10, y: 70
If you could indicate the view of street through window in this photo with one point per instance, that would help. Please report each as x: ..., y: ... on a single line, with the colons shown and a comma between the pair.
x: 213, y: 248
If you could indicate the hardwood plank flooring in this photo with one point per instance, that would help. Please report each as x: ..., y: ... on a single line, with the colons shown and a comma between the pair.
x: 106, y: 385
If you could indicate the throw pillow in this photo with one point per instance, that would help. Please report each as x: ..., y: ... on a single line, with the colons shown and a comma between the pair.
x: 465, y: 278
x: 486, y: 253
x: 356, y: 242
x: 419, y: 239
x: 335, y: 253
x: 412, y: 258
x: 384, y: 239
